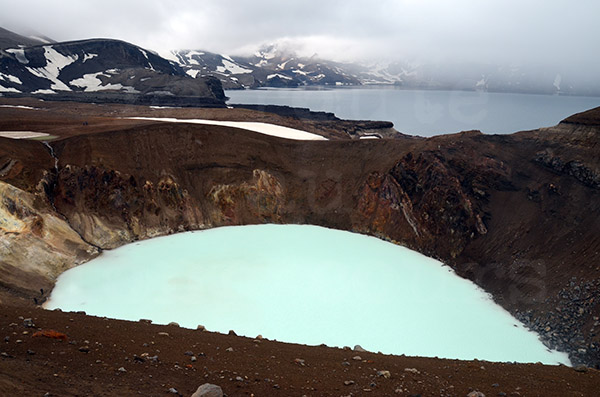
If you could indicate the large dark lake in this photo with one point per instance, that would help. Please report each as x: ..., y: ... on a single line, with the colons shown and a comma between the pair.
x: 428, y: 113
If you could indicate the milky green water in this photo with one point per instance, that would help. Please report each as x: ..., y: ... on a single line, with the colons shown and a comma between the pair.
x: 302, y: 284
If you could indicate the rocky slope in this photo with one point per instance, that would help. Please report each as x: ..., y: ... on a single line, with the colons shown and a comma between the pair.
x: 517, y: 214
x: 101, y: 70
x: 10, y: 39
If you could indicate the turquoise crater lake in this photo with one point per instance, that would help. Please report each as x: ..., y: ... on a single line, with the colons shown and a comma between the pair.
x: 301, y: 284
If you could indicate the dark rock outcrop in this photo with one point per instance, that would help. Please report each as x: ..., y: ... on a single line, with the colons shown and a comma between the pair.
x: 574, y: 168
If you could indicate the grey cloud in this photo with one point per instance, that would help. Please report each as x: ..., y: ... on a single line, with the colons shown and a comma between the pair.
x: 560, y: 33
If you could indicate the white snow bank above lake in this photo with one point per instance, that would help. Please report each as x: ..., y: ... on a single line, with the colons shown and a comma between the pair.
x: 263, y: 128
x: 19, y: 107
x: 22, y: 134
x: 301, y: 284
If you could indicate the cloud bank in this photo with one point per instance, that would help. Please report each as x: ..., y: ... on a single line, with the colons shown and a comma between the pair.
x: 560, y: 33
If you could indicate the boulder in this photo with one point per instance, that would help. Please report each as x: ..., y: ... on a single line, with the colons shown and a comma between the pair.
x: 208, y: 390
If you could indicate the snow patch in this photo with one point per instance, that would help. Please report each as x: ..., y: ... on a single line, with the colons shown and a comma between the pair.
x: 482, y: 84
x: 235, y: 68
x: 160, y: 92
x: 262, y: 128
x: 557, y: 81
x: 227, y: 57
x: 148, y: 59
x: 282, y: 65
x: 55, y: 63
x: 19, y: 54
x: 130, y: 90
x: 92, y: 83
x: 8, y: 89
x: 11, y: 78
x: 270, y: 54
x: 169, y: 55
x: 192, y: 72
x: 22, y: 134
x: 281, y: 76
x: 56, y: 60
x: 18, y: 107
x: 87, y: 57
x: 43, y: 92
x: 189, y: 56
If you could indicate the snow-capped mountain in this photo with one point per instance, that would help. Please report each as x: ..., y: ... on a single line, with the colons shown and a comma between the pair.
x: 100, y: 67
x: 273, y: 66
x: 35, y: 65
x: 268, y: 67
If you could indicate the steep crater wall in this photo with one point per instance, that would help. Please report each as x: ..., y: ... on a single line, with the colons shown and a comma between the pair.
x: 485, y: 205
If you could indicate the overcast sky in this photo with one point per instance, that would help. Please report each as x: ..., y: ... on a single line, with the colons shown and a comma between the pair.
x: 557, y: 32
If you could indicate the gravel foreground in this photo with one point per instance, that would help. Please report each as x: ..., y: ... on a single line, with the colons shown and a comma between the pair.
x: 104, y: 357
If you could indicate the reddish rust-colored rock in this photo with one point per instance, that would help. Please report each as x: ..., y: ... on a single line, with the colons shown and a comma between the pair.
x: 49, y: 333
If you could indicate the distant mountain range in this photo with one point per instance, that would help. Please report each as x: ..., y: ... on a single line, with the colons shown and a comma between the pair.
x: 113, y: 70
x: 272, y: 66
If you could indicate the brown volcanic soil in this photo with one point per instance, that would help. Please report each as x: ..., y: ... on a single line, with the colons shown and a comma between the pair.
x: 66, y: 119
x: 517, y: 214
x: 39, y: 365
